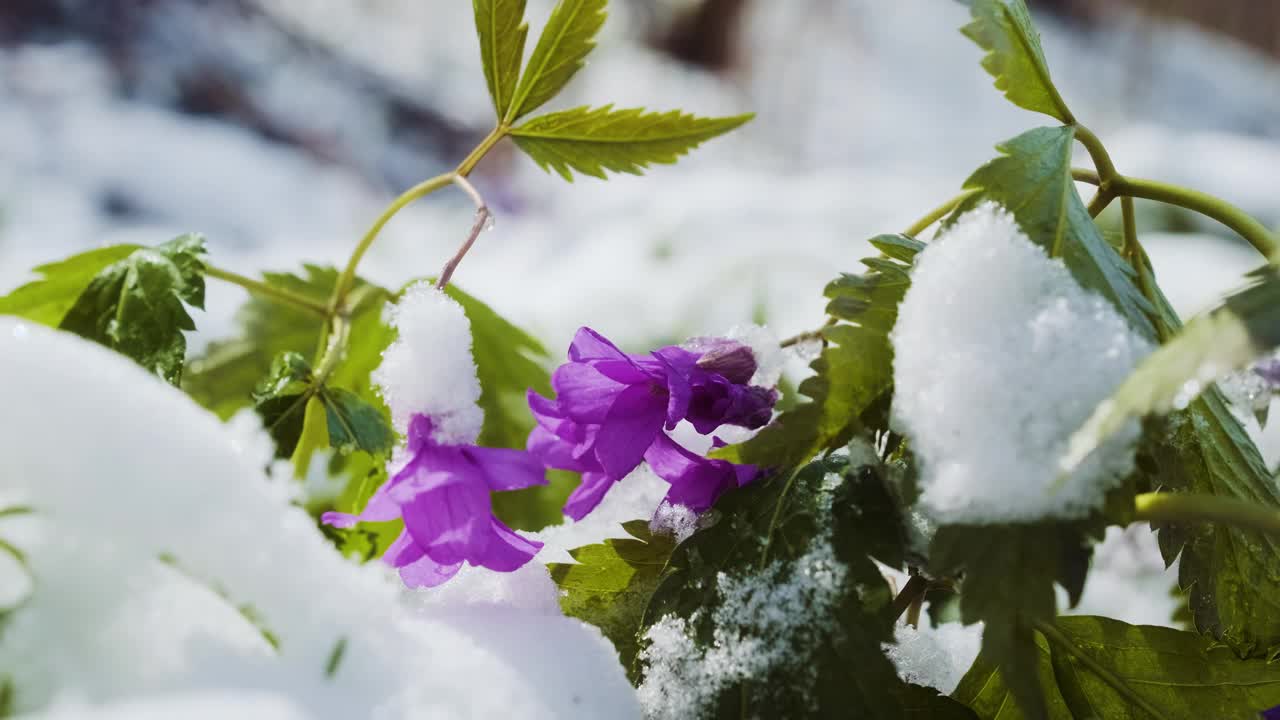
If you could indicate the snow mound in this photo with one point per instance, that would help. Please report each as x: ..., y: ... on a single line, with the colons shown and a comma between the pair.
x: 160, y: 552
x: 429, y: 368
x: 935, y: 656
x: 999, y: 356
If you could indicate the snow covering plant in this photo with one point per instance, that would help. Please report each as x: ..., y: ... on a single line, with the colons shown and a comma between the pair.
x: 660, y: 534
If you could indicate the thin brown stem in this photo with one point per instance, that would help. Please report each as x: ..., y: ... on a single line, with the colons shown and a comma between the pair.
x: 915, y: 589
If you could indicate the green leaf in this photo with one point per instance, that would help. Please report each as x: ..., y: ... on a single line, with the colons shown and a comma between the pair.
x: 1009, y: 576
x: 1210, y: 346
x: 281, y: 400
x: 48, y: 299
x: 565, y: 42
x: 926, y: 703
x: 135, y: 305
x: 355, y: 424
x: 502, y: 31
x: 1179, y: 674
x: 1014, y: 57
x: 611, y: 583
x: 1032, y: 179
x: 1231, y: 575
x: 224, y: 377
x: 766, y: 534
x: 852, y: 374
x: 593, y: 141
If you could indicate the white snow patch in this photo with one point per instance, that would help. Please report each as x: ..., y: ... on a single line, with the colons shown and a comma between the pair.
x: 935, y: 656
x: 677, y: 521
x: 122, y: 469
x: 634, y: 498
x: 766, y: 623
x: 999, y: 357
x: 1128, y: 580
x: 429, y: 368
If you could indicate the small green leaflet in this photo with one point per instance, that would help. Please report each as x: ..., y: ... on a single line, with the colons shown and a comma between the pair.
x: 48, y: 299
x: 352, y: 424
x: 223, y: 379
x: 1231, y: 575
x: 1244, y: 327
x: 135, y: 305
x: 592, y: 141
x: 611, y: 583
x: 565, y: 41
x: 502, y: 31
x: 1177, y: 674
x: 1009, y: 574
x: 1014, y: 57
x: 763, y: 531
x: 1032, y: 179
x: 852, y: 375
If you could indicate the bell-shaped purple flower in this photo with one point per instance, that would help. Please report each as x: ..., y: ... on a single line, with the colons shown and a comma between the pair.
x: 442, y: 493
x: 612, y: 410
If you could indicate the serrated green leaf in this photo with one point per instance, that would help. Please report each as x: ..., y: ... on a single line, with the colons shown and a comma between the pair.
x: 355, y: 424
x: 852, y: 374
x: 1231, y: 575
x: 565, y: 42
x: 502, y: 31
x: 1209, y: 347
x: 1009, y: 576
x: 760, y: 532
x: 1014, y: 57
x: 1032, y: 179
x: 48, y: 299
x: 592, y: 141
x: 611, y: 583
x: 1178, y: 674
x: 135, y: 305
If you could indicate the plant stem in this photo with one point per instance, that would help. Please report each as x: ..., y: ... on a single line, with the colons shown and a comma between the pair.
x: 938, y: 213
x: 348, y: 276
x: 469, y: 163
x: 807, y: 336
x: 1233, y: 217
x: 1106, y: 170
x: 1184, y: 508
x: 912, y: 591
x: 1055, y: 636
x: 270, y: 291
x: 483, y: 217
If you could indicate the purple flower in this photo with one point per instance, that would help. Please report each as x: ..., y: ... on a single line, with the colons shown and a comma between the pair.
x: 1269, y: 370
x: 612, y: 411
x: 442, y: 494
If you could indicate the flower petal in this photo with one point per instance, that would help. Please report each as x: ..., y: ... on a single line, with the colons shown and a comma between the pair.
x: 506, y: 469
x: 426, y: 572
x: 587, y: 495
x: 554, y: 452
x: 590, y: 345
x: 451, y: 523
x: 696, y: 482
x: 633, y: 422
x: 583, y: 394
x: 507, y: 551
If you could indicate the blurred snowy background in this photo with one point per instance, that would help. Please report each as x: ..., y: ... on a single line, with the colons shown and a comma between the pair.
x: 280, y: 128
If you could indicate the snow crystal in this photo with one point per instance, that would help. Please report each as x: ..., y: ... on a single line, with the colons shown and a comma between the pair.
x: 999, y: 357
x: 123, y: 470
x: 765, y: 622
x: 429, y: 368
x: 676, y: 521
x: 935, y: 656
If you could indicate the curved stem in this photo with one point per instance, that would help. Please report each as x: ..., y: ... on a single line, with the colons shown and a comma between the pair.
x: 1097, y: 151
x: 260, y: 288
x: 483, y: 218
x: 1233, y: 217
x: 914, y: 590
x: 348, y: 276
x: 937, y: 213
x: 1184, y: 508
x: 469, y: 163
x: 1055, y: 636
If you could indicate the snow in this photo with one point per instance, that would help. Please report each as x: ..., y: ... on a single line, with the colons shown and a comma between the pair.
x: 123, y: 469
x: 429, y: 369
x: 999, y: 356
x: 766, y: 623
x: 635, y: 497
x: 201, y: 705
x: 934, y: 656
x: 1128, y: 580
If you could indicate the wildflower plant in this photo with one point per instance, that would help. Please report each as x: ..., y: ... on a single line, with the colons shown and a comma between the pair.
x: 989, y: 398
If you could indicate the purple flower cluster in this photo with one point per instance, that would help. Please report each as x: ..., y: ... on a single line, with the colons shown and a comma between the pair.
x: 442, y: 493
x: 612, y: 411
